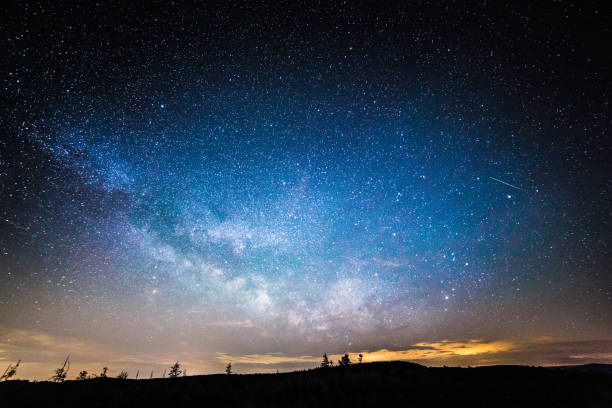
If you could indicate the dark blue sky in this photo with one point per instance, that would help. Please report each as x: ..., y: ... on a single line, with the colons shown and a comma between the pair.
x: 267, y: 183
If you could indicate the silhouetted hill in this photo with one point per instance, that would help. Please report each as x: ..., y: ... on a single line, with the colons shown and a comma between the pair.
x: 390, y: 384
x: 588, y: 368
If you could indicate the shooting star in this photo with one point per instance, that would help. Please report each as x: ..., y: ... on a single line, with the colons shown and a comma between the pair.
x: 508, y: 184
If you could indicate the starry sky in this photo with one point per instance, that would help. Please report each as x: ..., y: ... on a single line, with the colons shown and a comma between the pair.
x: 262, y: 183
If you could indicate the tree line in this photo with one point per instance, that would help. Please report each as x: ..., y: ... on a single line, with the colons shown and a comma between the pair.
x: 60, y: 374
x: 344, y: 361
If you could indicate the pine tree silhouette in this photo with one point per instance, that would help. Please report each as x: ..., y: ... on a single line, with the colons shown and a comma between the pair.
x: 61, y: 372
x: 10, y: 371
x: 175, y: 370
x: 345, y: 360
x: 325, y: 363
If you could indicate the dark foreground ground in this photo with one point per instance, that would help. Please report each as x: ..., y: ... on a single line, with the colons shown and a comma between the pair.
x: 394, y: 384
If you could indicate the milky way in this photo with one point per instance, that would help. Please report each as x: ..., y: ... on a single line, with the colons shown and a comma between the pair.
x: 264, y: 184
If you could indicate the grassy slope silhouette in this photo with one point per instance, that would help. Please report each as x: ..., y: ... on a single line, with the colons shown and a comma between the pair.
x: 358, y: 385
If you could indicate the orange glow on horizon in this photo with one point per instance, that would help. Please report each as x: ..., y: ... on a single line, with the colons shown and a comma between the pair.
x: 418, y: 352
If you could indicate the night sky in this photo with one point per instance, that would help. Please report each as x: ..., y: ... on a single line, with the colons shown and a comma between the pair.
x: 263, y: 183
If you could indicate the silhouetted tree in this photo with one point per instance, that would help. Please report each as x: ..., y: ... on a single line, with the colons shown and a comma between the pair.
x: 103, y: 373
x: 10, y: 371
x: 345, y: 360
x: 360, y: 359
x: 137, y: 372
x: 175, y: 370
x: 61, y: 372
x: 325, y: 363
x: 82, y: 375
x: 228, y: 368
x: 123, y: 375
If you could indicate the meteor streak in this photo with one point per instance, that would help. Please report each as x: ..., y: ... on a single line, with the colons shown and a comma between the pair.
x: 508, y: 184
